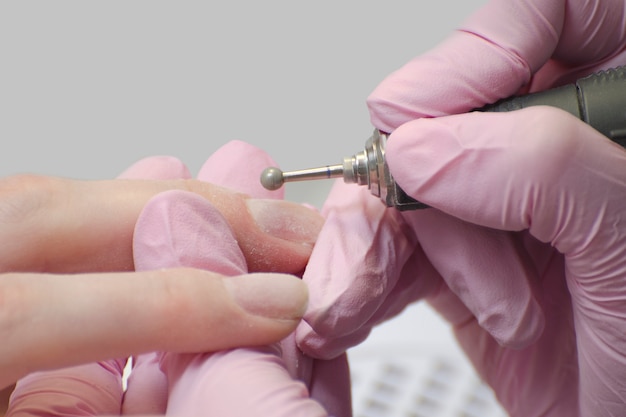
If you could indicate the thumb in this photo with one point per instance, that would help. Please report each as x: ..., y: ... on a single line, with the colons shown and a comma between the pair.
x: 539, y: 169
x: 506, y: 47
x: 492, y: 56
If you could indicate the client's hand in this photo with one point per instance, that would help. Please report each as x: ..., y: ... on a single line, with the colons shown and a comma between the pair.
x: 54, y: 227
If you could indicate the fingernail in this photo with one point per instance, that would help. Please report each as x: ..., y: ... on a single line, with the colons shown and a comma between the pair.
x: 275, y: 296
x: 286, y: 220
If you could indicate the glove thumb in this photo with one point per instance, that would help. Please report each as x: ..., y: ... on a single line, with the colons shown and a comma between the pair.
x: 539, y: 169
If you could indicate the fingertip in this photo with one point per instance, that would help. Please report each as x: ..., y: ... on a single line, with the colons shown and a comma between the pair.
x: 262, y: 308
x: 273, y: 235
x: 273, y: 296
x: 417, y: 152
x: 516, y: 331
x: 328, y: 347
x: 505, y: 301
x: 191, y: 310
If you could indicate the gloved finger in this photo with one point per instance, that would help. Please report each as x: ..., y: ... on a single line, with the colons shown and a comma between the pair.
x: 540, y: 147
x: 543, y: 170
x: 5, y: 393
x: 157, y: 168
x: 237, y: 382
x: 93, y: 389
x: 328, y: 381
x: 173, y: 229
x: 238, y: 165
x: 488, y: 270
x: 549, y: 364
x: 497, y: 52
x: 147, y: 387
x: 197, y: 235
x: 377, y: 268
x: 59, y: 225
x: 331, y: 386
x: 354, y: 267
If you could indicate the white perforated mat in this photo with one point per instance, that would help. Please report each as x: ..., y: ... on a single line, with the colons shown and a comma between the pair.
x: 411, y: 367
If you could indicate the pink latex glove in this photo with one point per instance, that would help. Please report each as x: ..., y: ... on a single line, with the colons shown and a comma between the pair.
x: 535, y: 297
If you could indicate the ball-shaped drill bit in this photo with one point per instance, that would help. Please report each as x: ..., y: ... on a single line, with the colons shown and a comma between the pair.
x: 272, y: 178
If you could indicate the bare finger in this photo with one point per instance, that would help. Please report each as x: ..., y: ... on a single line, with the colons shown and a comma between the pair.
x: 69, y: 320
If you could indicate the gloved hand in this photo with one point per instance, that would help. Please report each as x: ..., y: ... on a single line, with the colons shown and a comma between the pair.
x: 524, y: 250
x: 195, y: 225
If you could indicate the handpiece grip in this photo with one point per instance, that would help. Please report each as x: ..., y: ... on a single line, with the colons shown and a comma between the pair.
x: 598, y: 99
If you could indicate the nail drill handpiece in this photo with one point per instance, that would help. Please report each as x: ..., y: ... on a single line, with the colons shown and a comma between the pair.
x: 598, y: 99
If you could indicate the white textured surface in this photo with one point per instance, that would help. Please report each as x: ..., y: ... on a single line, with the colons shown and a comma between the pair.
x: 412, y: 367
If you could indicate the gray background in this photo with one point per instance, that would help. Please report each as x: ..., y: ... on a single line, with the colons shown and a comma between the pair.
x: 87, y: 88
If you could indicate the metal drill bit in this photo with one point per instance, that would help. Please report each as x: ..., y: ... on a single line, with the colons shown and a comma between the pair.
x: 273, y: 178
x: 598, y: 99
x: 362, y: 168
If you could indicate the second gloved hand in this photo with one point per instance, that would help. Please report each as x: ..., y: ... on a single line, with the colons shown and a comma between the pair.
x: 559, y: 187
x: 506, y: 292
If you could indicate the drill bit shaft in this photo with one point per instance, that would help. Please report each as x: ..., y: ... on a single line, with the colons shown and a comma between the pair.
x: 273, y: 178
x: 356, y: 169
